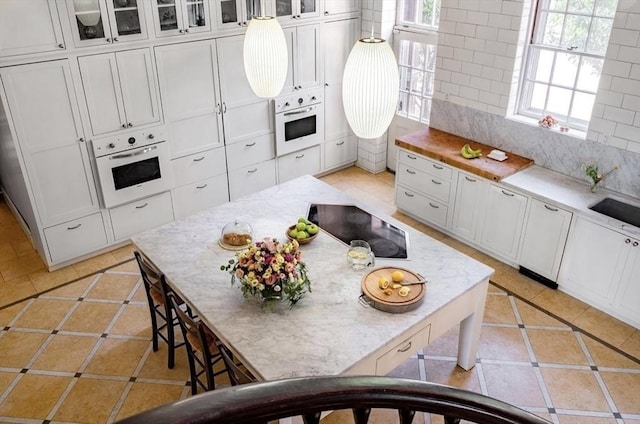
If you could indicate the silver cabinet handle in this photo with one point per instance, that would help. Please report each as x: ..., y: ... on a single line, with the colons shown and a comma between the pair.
x: 300, y: 111
x: 115, y: 39
x: 181, y: 31
x: 300, y: 156
x: 218, y: 109
x: 128, y: 155
x: 435, y: 182
x: 201, y: 186
x: 199, y: 159
x: 326, y: 13
x: 411, y: 172
x: 507, y: 193
x: 434, y: 206
x: 74, y: 227
x: 187, y: 30
x: 412, y: 157
x: 550, y: 208
x: 252, y: 171
x: 61, y: 46
x: 250, y: 144
x: 124, y: 125
x: 81, y: 139
x: 108, y: 40
x: 404, y: 349
x: 437, y: 166
x: 635, y: 244
x: 627, y: 241
x: 340, y: 143
x: 224, y: 107
x: 142, y: 206
x: 129, y: 125
x: 471, y: 180
x: 406, y: 193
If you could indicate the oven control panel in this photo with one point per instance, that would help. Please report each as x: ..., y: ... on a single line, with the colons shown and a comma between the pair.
x: 298, y: 100
x: 128, y: 140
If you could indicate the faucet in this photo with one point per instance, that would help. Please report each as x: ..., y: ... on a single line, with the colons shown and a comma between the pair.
x: 591, y: 170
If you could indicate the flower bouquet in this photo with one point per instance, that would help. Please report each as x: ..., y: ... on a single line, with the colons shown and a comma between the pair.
x: 548, y: 121
x: 270, y: 271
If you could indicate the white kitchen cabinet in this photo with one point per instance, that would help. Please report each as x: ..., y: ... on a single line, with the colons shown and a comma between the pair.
x: 297, y: 164
x: 102, y: 22
x: 180, y: 17
x: 421, y: 206
x: 303, y: 45
x: 237, y: 13
x: 199, y: 166
x: 187, y: 76
x: 503, y: 221
x: 42, y: 34
x: 120, y: 89
x: 44, y: 112
x: 195, y: 197
x: 336, y: 7
x: 250, y: 151
x: 252, y: 178
x: 338, y: 38
x: 340, y: 152
x: 469, y: 205
x: 290, y: 11
x: 544, y: 238
x: 76, y: 238
x: 141, y: 215
x: 627, y: 299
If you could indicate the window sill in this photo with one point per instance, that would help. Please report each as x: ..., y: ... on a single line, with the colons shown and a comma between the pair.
x: 573, y: 133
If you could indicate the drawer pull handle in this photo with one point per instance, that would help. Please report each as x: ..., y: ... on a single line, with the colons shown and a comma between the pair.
x: 142, y: 206
x: 412, y: 157
x: 74, y: 227
x: 627, y: 241
x: 300, y: 156
x: 507, y: 193
x: 404, y: 349
x: 437, y: 166
x: 202, y: 186
x: 251, y: 171
x: 436, y: 182
x: 635, y: 244
x: 471, y: 180
x: 434, y: 206
x: 550, y: 208
x: 408, y: 194
x: 250, y: 144
x: 411, y: 172
x: 340, y: 143
x: 199, y: 159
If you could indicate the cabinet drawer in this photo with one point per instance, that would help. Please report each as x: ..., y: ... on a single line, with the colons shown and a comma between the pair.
x: 340, y: 152
x: 199, y: 166
x: 434, y: 168
x: 402, y: 351
x: 297, y: 164
x: 421, y: 206
x: 250, y: 151
x: 75, y: 238
x: 252, y: 178
x: 430, y: 185
x: 141, y: 215
x: 195, y: 197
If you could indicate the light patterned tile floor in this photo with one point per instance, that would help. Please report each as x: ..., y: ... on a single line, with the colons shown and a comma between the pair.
x: 81, y: 353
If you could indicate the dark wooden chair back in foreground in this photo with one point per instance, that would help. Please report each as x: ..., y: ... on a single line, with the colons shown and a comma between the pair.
x: 237, y: 374
x: 156, y: 289
x: 309, y: 397
x: 203, y: 352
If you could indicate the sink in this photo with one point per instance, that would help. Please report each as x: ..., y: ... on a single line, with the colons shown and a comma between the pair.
x: 618, y: 210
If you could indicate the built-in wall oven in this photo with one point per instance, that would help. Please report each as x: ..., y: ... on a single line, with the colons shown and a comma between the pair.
x: 133, y: 165
x: 299, y: 120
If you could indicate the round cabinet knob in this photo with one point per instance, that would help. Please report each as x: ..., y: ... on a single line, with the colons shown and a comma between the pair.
x: 627, y: 241
x: 635, y: 244
x: 61, y: 46
x: 129, y: 125
x: 151, y: 136
x: 115, y: 39
x: 300, y: 100
x: 131, y: 140
x: 111, y: 145
x: 313, y: 98
x: 286, y: 104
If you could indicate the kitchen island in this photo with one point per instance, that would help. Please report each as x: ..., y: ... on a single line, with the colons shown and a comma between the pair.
x: 329, y: 332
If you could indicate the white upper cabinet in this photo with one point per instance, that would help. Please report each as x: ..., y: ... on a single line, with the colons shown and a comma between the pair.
x: 288, y: 11
x: 42, y: 34
x: 303, y: 45
x: 181, y: 17
x: 237, y: 13
x: 45, y: 114
x: 335, y: 7
x: 120, y: 90
x: 98, y: 22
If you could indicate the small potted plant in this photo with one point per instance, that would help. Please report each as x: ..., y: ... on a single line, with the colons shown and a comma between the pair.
x: 591, y: 170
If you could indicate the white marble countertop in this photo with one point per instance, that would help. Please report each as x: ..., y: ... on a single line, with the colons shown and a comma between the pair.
x: 574, y: 194
x: 328, y: 331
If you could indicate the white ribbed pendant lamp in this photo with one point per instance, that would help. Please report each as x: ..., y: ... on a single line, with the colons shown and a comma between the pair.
x: 370, y: 87
x: 265, y: 56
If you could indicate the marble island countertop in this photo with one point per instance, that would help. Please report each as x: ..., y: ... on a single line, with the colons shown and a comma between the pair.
x: 328, y: 331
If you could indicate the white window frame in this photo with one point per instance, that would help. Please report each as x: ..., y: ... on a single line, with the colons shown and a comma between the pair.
x: 530, y: 66
x: 409, y: 25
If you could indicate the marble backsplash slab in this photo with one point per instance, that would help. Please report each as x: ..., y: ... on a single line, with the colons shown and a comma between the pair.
x: 549, y: 149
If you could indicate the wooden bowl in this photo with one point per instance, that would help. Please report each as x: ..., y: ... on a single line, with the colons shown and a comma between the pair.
x: 301, y: 241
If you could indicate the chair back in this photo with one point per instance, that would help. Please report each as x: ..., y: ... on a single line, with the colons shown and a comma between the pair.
x: 237, y: 375
x: 151, y: 278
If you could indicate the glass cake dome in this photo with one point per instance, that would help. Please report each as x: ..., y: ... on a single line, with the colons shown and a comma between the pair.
x: 236, y: 234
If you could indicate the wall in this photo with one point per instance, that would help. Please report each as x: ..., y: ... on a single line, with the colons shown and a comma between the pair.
x: 479, y: 56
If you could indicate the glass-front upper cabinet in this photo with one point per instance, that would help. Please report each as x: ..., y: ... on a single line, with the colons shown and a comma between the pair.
x: 107, y: 21
x: 181, y: 17
x: 235, y: 13
x: 286, y: 10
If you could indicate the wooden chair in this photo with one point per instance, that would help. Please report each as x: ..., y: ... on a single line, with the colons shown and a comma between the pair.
x: 203, y: 351
x: 310, y: 396
x: 157, y: 296
x: 237, y: 373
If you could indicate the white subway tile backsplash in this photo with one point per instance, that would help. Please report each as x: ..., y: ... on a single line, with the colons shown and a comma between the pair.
x: 512, y: 8
x: 469, y: 93
x: 463, y: 55
x: 612, y: 98
x: 499, y: 21
x: 487, y: 33
x: 629, y: 54
x: 627, y: 132
x: 631, y: 102
x: 625, y: 37
x: 482, y: 58
x: 468, y: 30
x: 625, y: 85
x: 461, y: 79
x: 452, y: 65
x: 635, y: 71
x: 616, y: 114
x: 618, y: 68
x: 480, y: 83
x: 478, y: 18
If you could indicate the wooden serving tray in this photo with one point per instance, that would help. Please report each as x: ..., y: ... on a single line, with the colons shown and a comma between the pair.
x: 388, y: 303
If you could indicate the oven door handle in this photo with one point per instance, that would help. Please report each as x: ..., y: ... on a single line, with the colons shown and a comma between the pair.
x: 138, y: 153
x: 300, y: 111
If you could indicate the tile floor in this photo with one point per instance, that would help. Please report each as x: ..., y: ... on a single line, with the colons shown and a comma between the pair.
x: 81, y: 353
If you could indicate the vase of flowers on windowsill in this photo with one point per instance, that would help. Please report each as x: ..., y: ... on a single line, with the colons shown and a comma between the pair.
x: 271, y: 272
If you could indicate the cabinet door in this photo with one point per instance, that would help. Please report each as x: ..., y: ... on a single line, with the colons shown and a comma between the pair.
x: 340, y: 152
x: 101, y: 22
x: 45, y: 114
x: 544, y: 238
x: 127, y: 20
x: 627, y: 300
x: 75, y: 238
x: 252, y: 178
x: 307, y: 57
x: 42, y: 34
x: 503, y: 221
x: 591, y: 258
x: 234, y: 86
x: 181, y: 17
x: 334, y: 7
x: 297, y: 164
x: 228, y: 14
x: 138, y: 85
x: 469, y: 203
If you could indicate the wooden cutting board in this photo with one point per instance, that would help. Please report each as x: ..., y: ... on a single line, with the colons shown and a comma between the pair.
x: 392, y: 302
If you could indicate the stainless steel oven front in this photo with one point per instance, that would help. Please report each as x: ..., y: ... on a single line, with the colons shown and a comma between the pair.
x: 299, y: 120
x: 132, y: 166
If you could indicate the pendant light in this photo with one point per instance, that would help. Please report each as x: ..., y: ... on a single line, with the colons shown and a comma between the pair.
x: 87, y: 12
x: 370, y: 87
x: 265, y: 56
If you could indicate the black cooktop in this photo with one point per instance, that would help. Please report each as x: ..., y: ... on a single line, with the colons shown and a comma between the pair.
x: 348, y: 222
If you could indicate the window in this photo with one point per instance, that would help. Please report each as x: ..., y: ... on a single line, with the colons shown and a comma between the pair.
x: 565, y: 58
x: 418, y: 13
x: 416, y: 64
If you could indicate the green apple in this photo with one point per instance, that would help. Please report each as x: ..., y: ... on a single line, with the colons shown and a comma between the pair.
x: 312, y: 229
x: 293, y: 233
x: 302, y: 235
x: 302, y: 219
x: 301, y: 226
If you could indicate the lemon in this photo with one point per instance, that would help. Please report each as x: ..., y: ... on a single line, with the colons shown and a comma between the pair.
x: 362, y: 255
x: 397, y: 276
x: 404, y: 291
x: 352, y: 254
x: 383, y: 282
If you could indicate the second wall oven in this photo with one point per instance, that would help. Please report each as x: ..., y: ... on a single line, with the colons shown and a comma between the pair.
x: 299, y: 120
